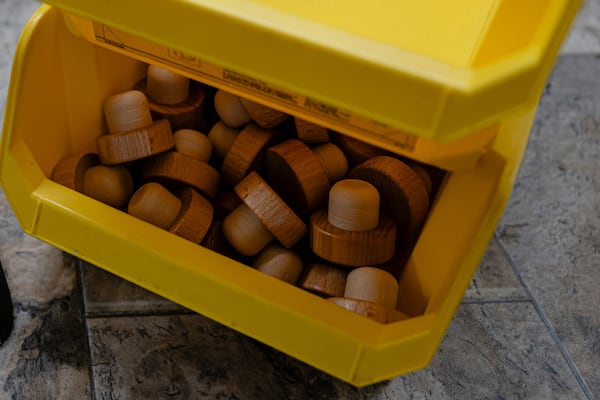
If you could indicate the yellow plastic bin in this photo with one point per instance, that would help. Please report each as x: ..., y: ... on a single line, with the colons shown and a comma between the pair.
x: 451, y: 84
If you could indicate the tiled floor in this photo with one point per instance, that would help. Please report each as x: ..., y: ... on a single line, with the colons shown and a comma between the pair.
x: 528, y: 327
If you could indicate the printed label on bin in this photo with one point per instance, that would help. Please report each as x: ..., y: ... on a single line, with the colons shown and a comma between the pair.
x: 211, y: 74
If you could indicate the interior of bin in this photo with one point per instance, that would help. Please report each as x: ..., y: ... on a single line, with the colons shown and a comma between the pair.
x: 57, y: 111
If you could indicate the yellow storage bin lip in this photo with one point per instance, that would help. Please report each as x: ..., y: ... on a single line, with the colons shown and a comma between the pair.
x: 405, y: 88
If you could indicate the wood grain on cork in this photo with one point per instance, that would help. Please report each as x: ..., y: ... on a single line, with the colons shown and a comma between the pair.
x: 333, y: 160
x: 187, y: 114
x: 374, y: 311
x: 264, y: 116
x: 71, y: 170
x: 194, y: 218
x: 283, y: 223
x: 119, y: 148
x: 127, y: 111
x: 356, y: 151
x: 246, y: 152
x: 352, y: 249
x: 177, y: 169
x: 215, y: 240
x: 404, y: 198
x: 309, y: 132
x: 297, y: 175
x: 323, y: 280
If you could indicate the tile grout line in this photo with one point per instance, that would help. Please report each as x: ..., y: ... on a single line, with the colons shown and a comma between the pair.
x: 549, y: 327
x: 150, y: 313
x: 88, y: 342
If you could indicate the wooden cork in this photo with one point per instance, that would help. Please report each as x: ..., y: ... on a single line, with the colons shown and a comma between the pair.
x: 271, y: 210
x: 264, y: 116
x: 372, y: 284
x: 296, y: 174
x: 127, y: 111
x: 352, y: 249
x: 112, y: 185
x: 403, y: 196
x: 221, y: 137
x: 186, y: 114
x: 194, y: 218
x: 119, y: 148
x: 164, y: 86
x: 423, y: 174
x: 215, y: 240
x: 309, y: 132
x: 245, y: 153
x: 70, y: 171
x: 356, y: 151
x: 155, y: 205
x: 353, y: 205
x: 323, y: 280
x: 245, y: 231
x: 230, y: 109
x: 176, y: 169
x: 280, y: 263
x: 225, y: 202
x: 333, y: 160
x: 374, y: 311
x: 193, y: 143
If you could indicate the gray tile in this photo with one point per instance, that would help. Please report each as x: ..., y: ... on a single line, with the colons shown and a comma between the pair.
x: 491, y: 351
x: 190, y: 357
x: 551, y: 227
x: 495, y: 280
x: 105, y: 293
x: 584, y: 36
x: 46, y: 356
x: 16, y: 12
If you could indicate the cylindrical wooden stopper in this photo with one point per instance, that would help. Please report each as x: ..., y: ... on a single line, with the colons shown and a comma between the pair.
x: 423, y: 174
x: 245, y: 231
x: 165, y: 86
x: 403, y: 195
x: 356, y: 151
x: 177, y: 169
x: 353, y: 205
x: 186, y: 114
x: 245, y: 153
x: 194, y: 218
x: 372, y: 284
x: 374, y: 311
x: 221, y: 137
x: 71, y: 170
x: 271, y: 210
x: 297, y: 176
x: 193, y: 143
x: 323, y: 279
x: 352, y: 249
x: 280, y: 263
x: 154, y: 204
x: 112, y: 185
x: 225, y: 202
x: 333, y: 161
x: 264, y: 116
x: 230, y: 109
x: 310, y: 133
x: 136, y: 144
x: 215, y: 240
x: 127, y: 111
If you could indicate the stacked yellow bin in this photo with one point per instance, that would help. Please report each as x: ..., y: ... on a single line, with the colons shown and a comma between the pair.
x: 451, y: 84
